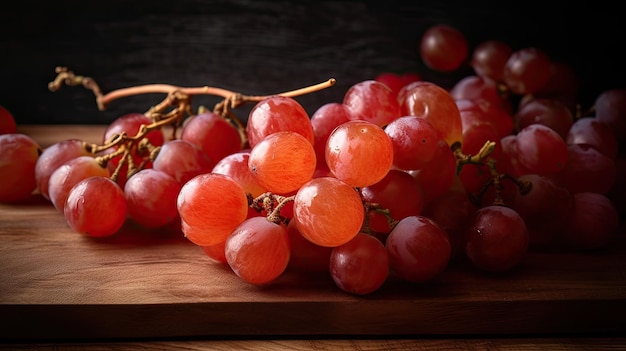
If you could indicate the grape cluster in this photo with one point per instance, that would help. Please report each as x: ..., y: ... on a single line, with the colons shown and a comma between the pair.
x: 397, y: 180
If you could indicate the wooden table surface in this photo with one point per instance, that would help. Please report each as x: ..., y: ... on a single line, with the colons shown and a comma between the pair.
x: 156, y: 290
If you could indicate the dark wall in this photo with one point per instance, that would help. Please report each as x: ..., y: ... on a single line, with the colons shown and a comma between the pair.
x: 264, y: 47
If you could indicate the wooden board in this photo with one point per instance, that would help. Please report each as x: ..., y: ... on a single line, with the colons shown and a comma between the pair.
x: 57, y: 284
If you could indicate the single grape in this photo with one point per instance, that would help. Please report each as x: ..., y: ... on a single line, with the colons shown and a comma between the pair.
x: 496, y: 239
x: 215, y: 252
x: 275, y: 114
x: 182, y: 160
x: 372, y: 101
x: 212, y: 134
x: 415, y: 141
x: 476, y: 87
x: 480, y: 110
x: 282, y: 162
x: 359, y: 153
x: 258, y: 250
x: 541, y: 149
x: 418, y: 249
x: 96, y: 207
x: 527, y: 70
x: 211, y: 205
x: 328, y: 212
x: 18, y: 158
x: 489, y: 58
x: 151, y: 198
x: 436, y: 177
x: 443, y: 48
x: 360, y: 266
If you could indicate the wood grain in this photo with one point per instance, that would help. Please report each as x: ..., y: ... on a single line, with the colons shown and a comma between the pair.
x: 57, y: 284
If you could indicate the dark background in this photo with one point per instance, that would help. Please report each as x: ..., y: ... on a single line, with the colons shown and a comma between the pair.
x: 265, y: 47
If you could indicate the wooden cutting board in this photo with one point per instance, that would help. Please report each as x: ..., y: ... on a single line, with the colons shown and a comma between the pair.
x: 55, y: 283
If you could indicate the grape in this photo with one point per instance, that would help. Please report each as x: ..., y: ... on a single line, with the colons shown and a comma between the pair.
x: 563, y: 85
x: 306, y: 256
x: 66, y: 176
x: 53, y: 157
x: 278, y: 113
x: 360, y: 266
x: 435, y: 104
x: 588, y: 170
x: 258, y: 250
x: 372, y: 101
x: 533, y: 143
x: 326, y: 118
x: 236, y: 166
x: 509, y: 162
x: 182, y: 160
x: 397, y: 192
x: 282, y: 162
x: 496, y: 239
x: 418, y: 249
x: 7, y: 122
x: 489, y: 58
x: 594, y: 223
x: 359, y: 153
x: 96, y: 207
x: 527, y: 70
x: 415, y: 142
x: 18, y: 158
x: 477, y: 87
x: 443, y: 48
x: 549, y: 112
x: 328, y: 212
x: 211, y: 205
x: 151, y: 197
x: 610, y: 108
x: 590, y: 131
x: 212, y: 134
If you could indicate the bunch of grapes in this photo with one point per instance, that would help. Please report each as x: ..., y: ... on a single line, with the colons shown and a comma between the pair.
x: 398, y: 180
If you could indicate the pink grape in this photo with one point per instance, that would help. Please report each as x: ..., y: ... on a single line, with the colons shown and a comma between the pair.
x: 63, y: 179
x: 212, y: 134
x: 18, y: 158
x: 182, y: 160
x: 372, y: 101
x: 96, y: 207
x: 151, y: 197
x: 53, y: 157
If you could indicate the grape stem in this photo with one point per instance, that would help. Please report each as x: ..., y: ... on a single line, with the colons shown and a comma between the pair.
x: 272, y: 204
x: 232, y: 99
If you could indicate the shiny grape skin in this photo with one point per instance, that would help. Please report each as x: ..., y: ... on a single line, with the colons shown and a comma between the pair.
x: 489, y: 58
x: 182, y: 160
x: 96, y: 207
x: 258, y: 250
x: 18, y: 159
x: 419, y: 249
x: 53, y: 157
x: 212, y: 134
x: 151, y: 198
x: 372, y: 101
x: 360, y: 266
x: 63, y: 179
x: 443, y: 48
x: 496, y: 239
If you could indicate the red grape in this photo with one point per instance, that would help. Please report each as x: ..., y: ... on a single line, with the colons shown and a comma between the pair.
x: 328, y: 212
x: 258, y: 250
x: 418, y: 249
x: 489, y: 58
x: 18, y: 158
x: 211, y: 205
x: 443, y: 48
x: 7, y: 122
x: 182, y: 160
x: 415, y: 141
x: 359, y: 153
x: 496, y: 239
x: 305, y: 255
x: 360, y: 266
x: 549, y: 112
x: 527, y: 70
x: 610, y: 108
x: 592, y: 132
x: 236, y: 166
x: 594, y: 223
x: 213, y: 134
x: 372, y: 101
x: 541, y: 149
x: 96, y: 207
x: 326, y: 118
x: 53, y: 157
x: 282, y: 162
x: 151, y: 198
x: 63, y: 179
